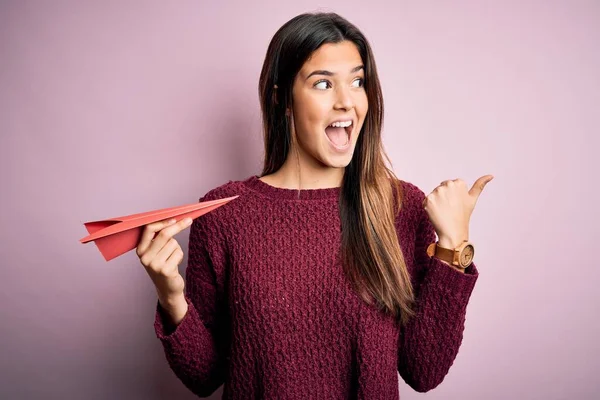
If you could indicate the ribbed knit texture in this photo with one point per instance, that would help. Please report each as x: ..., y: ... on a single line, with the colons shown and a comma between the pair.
x: 272, y: 316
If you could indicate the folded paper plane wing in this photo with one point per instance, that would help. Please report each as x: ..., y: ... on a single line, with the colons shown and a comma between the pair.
x: 117, y: 236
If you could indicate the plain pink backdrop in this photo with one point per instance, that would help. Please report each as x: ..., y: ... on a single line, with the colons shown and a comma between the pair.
x: 115, y: 107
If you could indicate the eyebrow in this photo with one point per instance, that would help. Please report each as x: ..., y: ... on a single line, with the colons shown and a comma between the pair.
x: 329, y: 73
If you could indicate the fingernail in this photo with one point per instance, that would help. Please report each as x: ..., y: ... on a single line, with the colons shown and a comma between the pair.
x: 188, y: 221
x: 171, y: 221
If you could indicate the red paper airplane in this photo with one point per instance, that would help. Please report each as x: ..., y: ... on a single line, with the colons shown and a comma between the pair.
x: 117, y: 236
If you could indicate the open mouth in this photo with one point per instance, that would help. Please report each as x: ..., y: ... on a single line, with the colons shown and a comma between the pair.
x: 339, y: 133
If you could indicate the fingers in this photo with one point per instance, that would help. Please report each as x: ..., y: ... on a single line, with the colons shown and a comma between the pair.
x: 477, y: 188
x: 158, y: 262
x: 480, y: 184
x: 149, y: 232
x: 451, y: 182
x: 150, y: 244
x: 176, y: 257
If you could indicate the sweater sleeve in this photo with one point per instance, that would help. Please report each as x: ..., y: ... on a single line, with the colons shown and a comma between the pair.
x: 429, y: 343
x: 196, y: 349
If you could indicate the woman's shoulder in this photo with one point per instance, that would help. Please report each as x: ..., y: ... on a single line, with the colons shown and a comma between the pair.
x: 225, y: 216
x: 234, y: 208
x: 412, y: 201
x: 228, y: 189
x: 412, y: 191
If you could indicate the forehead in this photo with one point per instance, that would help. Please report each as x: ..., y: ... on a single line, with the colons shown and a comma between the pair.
x: 335, y: 57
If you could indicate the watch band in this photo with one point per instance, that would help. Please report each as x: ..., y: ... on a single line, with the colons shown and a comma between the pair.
x: 442, y: 253
x: 453, y: 256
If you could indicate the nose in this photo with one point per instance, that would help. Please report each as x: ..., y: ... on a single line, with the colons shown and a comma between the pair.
x: 343, y: 99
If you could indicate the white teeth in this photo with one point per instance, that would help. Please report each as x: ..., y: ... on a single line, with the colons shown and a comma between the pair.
x: 341, y: 124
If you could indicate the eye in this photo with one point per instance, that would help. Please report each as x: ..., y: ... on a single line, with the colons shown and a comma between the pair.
x: 316, y: 85
x: 326, y: 84
x: 360, y: 80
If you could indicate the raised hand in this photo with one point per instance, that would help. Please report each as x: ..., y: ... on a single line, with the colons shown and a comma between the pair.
x: 449, y: 207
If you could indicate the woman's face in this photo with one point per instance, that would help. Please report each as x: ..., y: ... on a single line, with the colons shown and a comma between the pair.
x: 329, y: 88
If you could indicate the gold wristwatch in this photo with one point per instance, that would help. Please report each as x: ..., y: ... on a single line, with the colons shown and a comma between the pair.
x: 460, y: 257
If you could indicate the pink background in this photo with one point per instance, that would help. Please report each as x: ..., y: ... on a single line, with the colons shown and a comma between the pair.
x: 112, y: 108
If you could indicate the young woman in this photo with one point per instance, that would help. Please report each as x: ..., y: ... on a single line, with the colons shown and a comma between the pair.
x: 323, y: 280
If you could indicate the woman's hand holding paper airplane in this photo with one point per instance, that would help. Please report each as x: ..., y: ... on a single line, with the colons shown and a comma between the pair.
x: 161, y: 255
x: 152, y: 233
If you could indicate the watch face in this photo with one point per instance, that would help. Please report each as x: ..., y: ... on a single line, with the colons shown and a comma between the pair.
x: 467, y: 256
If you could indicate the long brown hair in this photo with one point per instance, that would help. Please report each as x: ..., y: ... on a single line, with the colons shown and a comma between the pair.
x: 371, y: 254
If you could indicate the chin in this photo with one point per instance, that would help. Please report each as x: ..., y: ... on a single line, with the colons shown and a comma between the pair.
x: 337, y: 161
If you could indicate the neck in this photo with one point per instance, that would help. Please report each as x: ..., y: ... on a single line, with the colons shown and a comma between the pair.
x: 297, y: 172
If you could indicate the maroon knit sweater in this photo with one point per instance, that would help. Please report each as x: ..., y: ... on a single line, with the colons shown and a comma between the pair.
x: 272, y: 316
